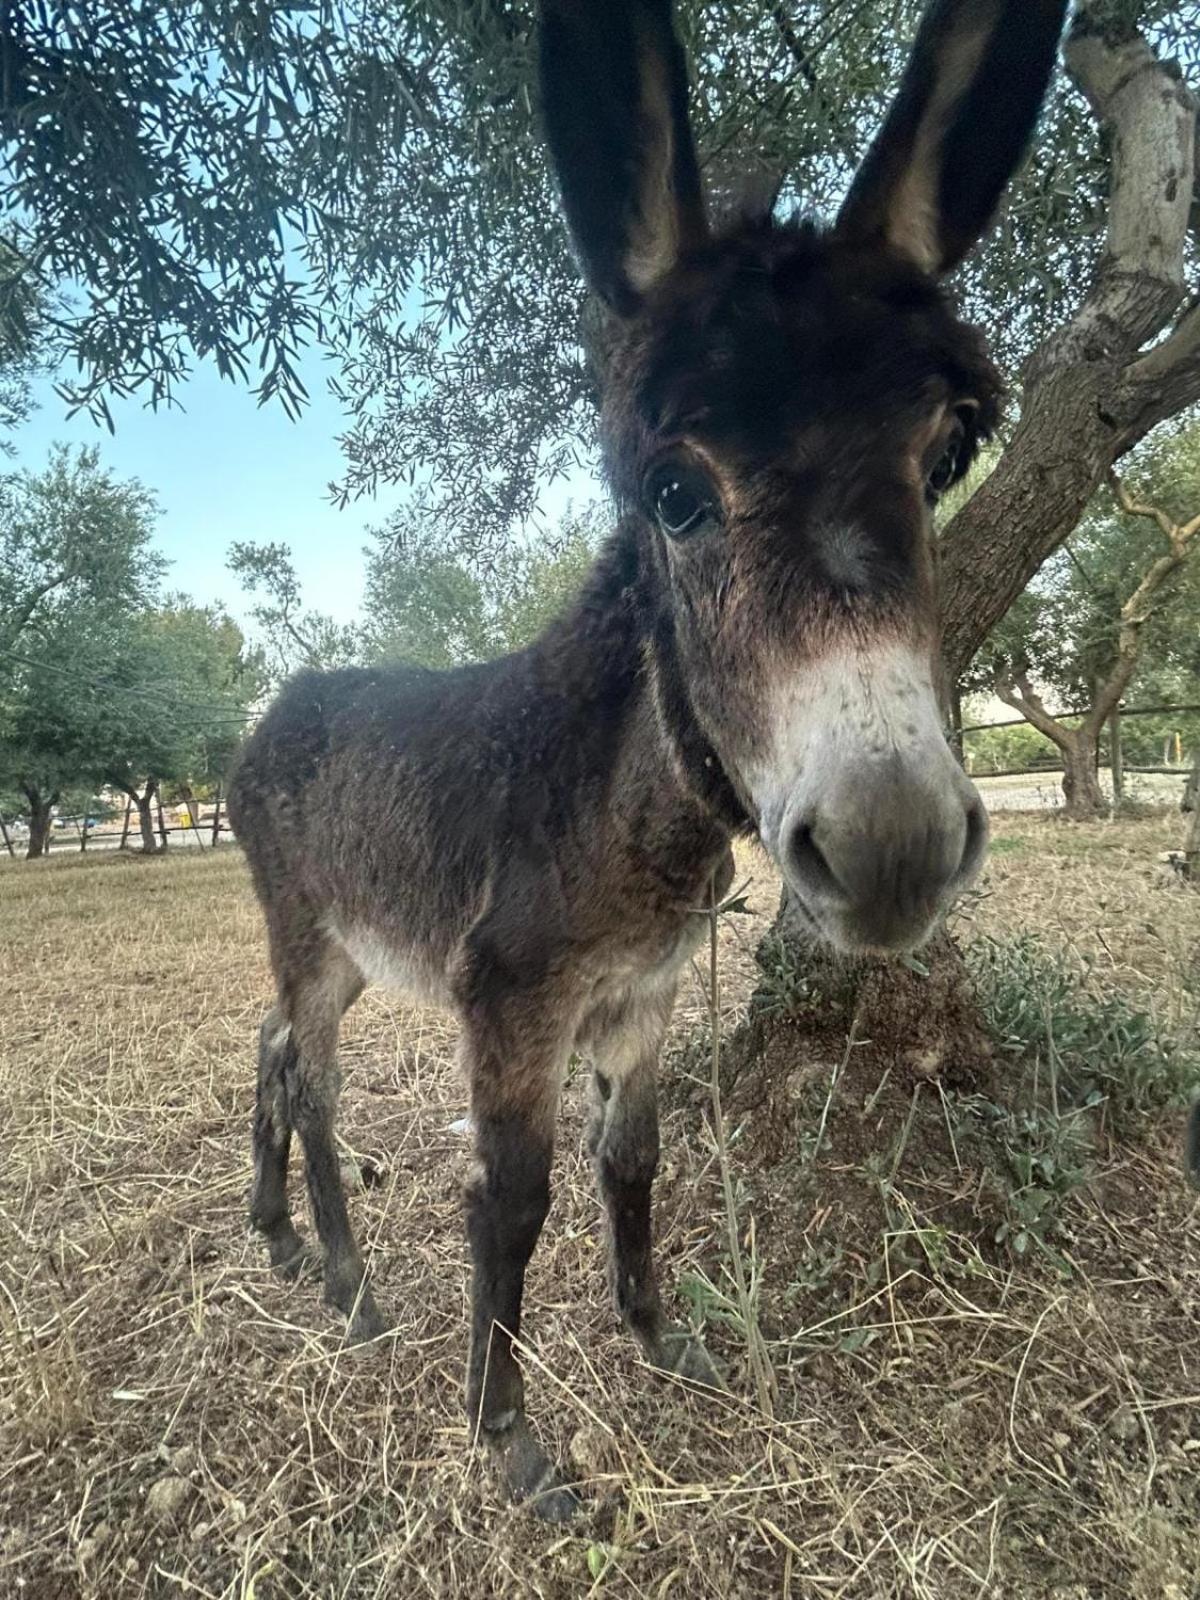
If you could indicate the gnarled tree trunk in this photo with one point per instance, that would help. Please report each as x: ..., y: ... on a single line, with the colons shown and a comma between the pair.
x: 1081, y: 780
x: 40, y: 808
x: 145, y: 803
x: 145, y: 810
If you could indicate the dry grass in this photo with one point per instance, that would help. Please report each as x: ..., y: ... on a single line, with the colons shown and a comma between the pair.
x: 176, y: 1422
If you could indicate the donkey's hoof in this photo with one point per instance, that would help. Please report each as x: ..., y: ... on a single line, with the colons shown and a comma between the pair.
x: 367, y: 1321
x: 302, y: 1262
x: 290, y: 1256
x: 558, y: 1504
x: 684, y: 1356
x: 529, y: 1475
x: 357, y: 1304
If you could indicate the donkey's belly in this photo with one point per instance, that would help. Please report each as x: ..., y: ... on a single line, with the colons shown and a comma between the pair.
x: 404, y: 969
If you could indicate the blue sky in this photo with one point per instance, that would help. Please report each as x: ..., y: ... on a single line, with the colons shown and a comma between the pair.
x: 224, y: 468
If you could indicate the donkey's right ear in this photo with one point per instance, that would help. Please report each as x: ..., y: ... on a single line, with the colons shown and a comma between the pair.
x: 614, y: 103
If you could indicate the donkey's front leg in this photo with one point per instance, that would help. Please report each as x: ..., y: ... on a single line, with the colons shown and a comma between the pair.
x: 513, y: 1111
x: 625, y: 1146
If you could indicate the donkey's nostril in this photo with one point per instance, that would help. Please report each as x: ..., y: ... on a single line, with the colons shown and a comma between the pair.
x: 812, y: 871
x: 976, y: 842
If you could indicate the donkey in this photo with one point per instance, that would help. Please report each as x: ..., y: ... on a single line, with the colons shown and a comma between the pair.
x: 753, y: 651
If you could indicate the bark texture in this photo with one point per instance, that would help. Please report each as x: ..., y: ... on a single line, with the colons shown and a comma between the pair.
x: 1095, y: 386
x: 146, y: 821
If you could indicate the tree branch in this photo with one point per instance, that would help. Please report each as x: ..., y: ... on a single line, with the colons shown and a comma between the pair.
x: 1141, y: 604
x: 1152, y: 118
x: 1015, y: 689
x: 1091, y: 390
x: 15, y: 627
x: 1167, y: 378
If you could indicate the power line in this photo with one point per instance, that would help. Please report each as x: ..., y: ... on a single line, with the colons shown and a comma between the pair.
x: 223, y: 712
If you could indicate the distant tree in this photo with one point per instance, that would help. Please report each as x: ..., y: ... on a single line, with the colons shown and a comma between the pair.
x: 71, y: 535
x: 178, y: 685
x: 48, y: 719
x: 294, y: 636
x: 1115, y: 598
x: 134, y: 700
x: 425, y: 602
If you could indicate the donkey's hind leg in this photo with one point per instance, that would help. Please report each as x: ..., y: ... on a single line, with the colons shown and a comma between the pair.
x: 315, y: 1005
x: 624, y: 1040
x: 269, y: 1212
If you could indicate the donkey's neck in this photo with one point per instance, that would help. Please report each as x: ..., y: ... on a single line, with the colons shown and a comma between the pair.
x: 613, y: 655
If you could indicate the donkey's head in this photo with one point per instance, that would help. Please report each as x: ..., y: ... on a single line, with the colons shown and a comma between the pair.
x: 782, y: 407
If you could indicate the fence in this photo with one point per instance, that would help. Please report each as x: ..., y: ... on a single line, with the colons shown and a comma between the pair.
x: 205, y: 832
x: 1113, y: 773
x: 208, y: 831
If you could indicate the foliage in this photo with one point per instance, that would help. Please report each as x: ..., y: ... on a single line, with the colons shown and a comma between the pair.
x: 426, y: 603
x: 1063, y: 630
x: 1007, y: 749
x: 71, y: 536
x: 23, y: 308
x: 1083, y: 1054
x: 1090, y: 1039
x: 294, y: 636
x: 368, y: 175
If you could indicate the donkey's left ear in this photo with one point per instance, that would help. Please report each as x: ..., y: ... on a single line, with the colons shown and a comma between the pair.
x: 614, y: 102
x: 966, y: 108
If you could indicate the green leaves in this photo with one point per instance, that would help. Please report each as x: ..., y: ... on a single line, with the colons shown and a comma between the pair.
x: 101, y: 678
x: 427, y: 604
x: 233, y: 183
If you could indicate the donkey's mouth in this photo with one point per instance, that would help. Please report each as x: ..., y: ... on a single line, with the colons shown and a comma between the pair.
x: 846, y: 935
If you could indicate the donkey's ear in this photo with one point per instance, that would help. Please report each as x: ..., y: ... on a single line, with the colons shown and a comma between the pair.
x: 614, y: 101
x: 957, y: 129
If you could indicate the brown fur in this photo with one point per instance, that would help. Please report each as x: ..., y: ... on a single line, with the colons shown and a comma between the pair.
x: 529, y: 841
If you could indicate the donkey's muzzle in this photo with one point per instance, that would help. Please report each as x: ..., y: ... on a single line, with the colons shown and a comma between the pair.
x: 877, y: 856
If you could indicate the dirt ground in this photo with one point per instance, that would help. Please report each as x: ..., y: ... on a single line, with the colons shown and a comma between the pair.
x: 949, y: 1419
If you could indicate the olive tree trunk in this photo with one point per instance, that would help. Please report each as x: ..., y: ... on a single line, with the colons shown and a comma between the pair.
x: 145, y: 811
x: 40, y: 808
x: 145, y: 804
x: 1084, y: 798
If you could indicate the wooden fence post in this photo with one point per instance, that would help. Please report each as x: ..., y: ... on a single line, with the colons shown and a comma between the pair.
x: 7, y: 840
x: 125, y: 828
x: 162, y: 827
x: 216, y: 829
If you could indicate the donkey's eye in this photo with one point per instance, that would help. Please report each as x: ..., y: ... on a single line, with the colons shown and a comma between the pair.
x: 945, y: 469
x: 681, y: 498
